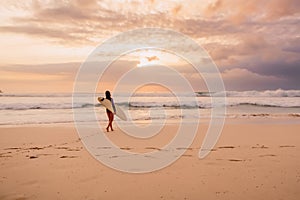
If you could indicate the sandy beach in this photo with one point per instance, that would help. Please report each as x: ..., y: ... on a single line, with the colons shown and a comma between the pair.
x: 167, y: 66
x: 250, y: 161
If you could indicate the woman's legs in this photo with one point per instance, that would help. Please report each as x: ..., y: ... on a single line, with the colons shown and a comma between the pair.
x: 108, y: 122
x: 110, y: 116
x: 111, y: 119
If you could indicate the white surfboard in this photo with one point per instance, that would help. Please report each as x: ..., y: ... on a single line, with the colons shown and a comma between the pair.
x: 107, y: 104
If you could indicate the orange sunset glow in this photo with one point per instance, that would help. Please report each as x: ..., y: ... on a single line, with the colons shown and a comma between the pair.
x: 149, y: 99
x: 255, y: 44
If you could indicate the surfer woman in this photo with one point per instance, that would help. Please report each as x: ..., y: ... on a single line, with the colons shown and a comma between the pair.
x: 110, y: 115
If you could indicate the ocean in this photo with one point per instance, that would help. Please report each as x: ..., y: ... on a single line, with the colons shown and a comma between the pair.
x: 55, y: 109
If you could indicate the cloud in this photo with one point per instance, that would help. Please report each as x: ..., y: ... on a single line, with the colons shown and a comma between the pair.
x: 38, y: 78
x: 279, y: 68
x: 53, y: 68
x: 50, y: 33
x: 43, y: 72
x: 259, y: 38
x: 239, y: 11
x: 292, y: 45
x: 176, y: 9
x: 243, y: 79
x: 85, y: 21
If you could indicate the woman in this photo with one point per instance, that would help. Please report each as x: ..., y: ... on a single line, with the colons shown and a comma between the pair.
x: 110, y: 115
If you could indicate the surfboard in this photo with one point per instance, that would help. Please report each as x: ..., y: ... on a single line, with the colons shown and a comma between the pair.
x: 107, y: 104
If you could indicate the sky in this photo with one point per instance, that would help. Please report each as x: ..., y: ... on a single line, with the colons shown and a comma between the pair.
x: 255, y: 44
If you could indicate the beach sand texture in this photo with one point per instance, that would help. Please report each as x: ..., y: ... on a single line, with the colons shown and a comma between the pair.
x: 250, y: 161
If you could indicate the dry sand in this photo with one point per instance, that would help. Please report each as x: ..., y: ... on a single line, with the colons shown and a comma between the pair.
x: 250, y: 161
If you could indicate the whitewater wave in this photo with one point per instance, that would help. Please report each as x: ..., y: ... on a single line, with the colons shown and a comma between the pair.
x: 139, y: 105
x: 20, y: 106
x: 254, y: 93
x: 36, y: 95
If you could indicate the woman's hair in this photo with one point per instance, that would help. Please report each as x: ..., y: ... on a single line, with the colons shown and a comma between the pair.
x: 107, y: 95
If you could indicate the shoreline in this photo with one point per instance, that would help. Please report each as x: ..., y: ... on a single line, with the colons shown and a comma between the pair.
x: 252, y: 120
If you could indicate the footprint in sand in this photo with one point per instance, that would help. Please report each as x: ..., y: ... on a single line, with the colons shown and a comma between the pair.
x: 12, y: 148
x: 32, y: 157
x: 260, y: 147
x: 114, y: 157
x: 68, y: 157
x: 126, y: 148
x: 209, y: 150
x: 187, y: 155
x: 184, y: 148
x: 35, y: 148
x: 287, y: 146
x: 233, y: 160
x: 70, y: 149
x: 236, y: 160
x: 267, y: 155
x: 153, y: 148
x: 103, y: 147
x: 226, y: 147
x: 5, y: 156
x: 61, y: 147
